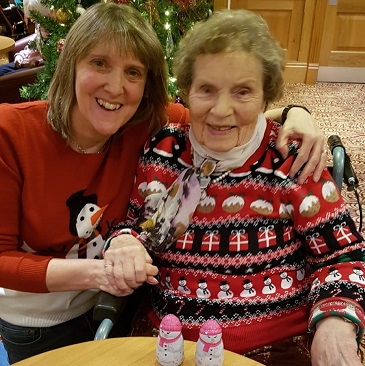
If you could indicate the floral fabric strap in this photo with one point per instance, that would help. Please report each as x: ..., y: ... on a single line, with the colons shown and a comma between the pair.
x: 116, y: 233
x: 342, y: 307
x: 167, y: 218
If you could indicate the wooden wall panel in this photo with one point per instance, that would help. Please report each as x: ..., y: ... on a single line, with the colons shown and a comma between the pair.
x: 288, y: 24
x: 350, y: 32
x: 314, y: 33
x: 343, y: 43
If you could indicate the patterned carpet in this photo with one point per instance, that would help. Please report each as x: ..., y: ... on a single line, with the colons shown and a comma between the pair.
x: 339, y: 109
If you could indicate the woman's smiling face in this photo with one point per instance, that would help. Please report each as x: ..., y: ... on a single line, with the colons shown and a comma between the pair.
x: 109, y: 88
x: 225, y: 99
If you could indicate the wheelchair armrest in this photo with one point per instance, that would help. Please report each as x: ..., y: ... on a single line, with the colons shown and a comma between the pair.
x: 109, y: 306
x: 338, y: 165
x: 107, y: 310
x: 120, y: 310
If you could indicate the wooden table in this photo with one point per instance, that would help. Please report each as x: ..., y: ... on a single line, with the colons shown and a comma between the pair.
x: 138, y: 351
x: 6, y: 45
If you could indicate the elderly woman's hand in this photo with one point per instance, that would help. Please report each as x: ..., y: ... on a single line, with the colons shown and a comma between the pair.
x: 334, y: 343
x: 301, y: 125
x: 128, y: 265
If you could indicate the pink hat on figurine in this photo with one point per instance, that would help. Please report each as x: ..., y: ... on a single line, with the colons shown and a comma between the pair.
x: 171, y: 323
x: 211, y: 327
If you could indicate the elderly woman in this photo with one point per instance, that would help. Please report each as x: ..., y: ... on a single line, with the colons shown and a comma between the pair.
x: 239, y: 240
x: 235, y: 238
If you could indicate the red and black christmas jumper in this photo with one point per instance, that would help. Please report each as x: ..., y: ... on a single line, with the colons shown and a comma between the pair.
x: 262, y: 255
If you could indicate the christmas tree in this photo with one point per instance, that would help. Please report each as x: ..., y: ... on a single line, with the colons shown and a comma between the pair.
x: 170, y: 19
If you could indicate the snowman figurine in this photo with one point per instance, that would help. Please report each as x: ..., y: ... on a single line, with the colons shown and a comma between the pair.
x: 209, y: 348
x: 170, y: 342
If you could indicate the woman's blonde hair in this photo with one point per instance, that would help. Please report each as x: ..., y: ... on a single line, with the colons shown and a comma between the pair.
x: 231, y: 31
x: 124, y: 28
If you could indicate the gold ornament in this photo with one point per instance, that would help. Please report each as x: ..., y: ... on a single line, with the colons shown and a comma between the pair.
x: 150, y: 6
x: 63, y: 16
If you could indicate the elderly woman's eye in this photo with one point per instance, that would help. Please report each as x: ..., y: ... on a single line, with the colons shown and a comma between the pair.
x: 242, y: 92
x: 206, y: 89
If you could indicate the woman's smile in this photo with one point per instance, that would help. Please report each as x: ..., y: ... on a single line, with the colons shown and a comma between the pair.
x: 108, y: 106
x: 220, y: 130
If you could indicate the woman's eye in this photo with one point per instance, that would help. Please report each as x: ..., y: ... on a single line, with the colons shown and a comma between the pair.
x: 206, y: 89
x: 98, y: 63
x: 242, y: 92
x: 134, y: 73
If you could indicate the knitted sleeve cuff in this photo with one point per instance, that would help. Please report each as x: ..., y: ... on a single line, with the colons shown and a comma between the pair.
x: 117, y: 233
x: 344, y: 308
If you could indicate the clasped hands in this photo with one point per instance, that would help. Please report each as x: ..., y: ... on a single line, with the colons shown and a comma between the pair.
x: 127, y: 265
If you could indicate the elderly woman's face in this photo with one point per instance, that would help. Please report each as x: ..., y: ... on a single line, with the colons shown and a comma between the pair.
x: 225, y: 99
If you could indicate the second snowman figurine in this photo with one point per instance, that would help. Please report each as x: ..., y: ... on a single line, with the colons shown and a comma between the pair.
x: 209, y: 348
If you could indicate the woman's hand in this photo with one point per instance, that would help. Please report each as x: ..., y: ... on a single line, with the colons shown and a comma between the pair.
x: 301, y: 125
x: 335, y: 343
x: 128, y: 265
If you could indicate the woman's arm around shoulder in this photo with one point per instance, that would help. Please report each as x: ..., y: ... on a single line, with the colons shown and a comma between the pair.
x: 299, y: 124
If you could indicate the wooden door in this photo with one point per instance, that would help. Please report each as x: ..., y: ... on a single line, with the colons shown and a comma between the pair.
x: 291, y: 23
x: 342, y: 51
x: 324, y: 39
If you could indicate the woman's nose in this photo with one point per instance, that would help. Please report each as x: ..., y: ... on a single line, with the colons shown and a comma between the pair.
x: 223, y: 105
x: 115, y: 83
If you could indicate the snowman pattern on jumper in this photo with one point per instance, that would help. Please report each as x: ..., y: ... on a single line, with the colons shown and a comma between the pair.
x: 202, y: 291
x: 248, y: 290
x: 286, y: 280
x: 357, y: 275
x: 85, y: 216
x: 225, y: 292
x: 269, y: 287
x: 333, y: 274
x: 170, y: 342
x: 209, y: 347
x: 183, y: 288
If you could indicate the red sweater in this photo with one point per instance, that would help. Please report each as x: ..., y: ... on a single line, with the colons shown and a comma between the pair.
x: 261, y: 251
x: 49, y: 193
